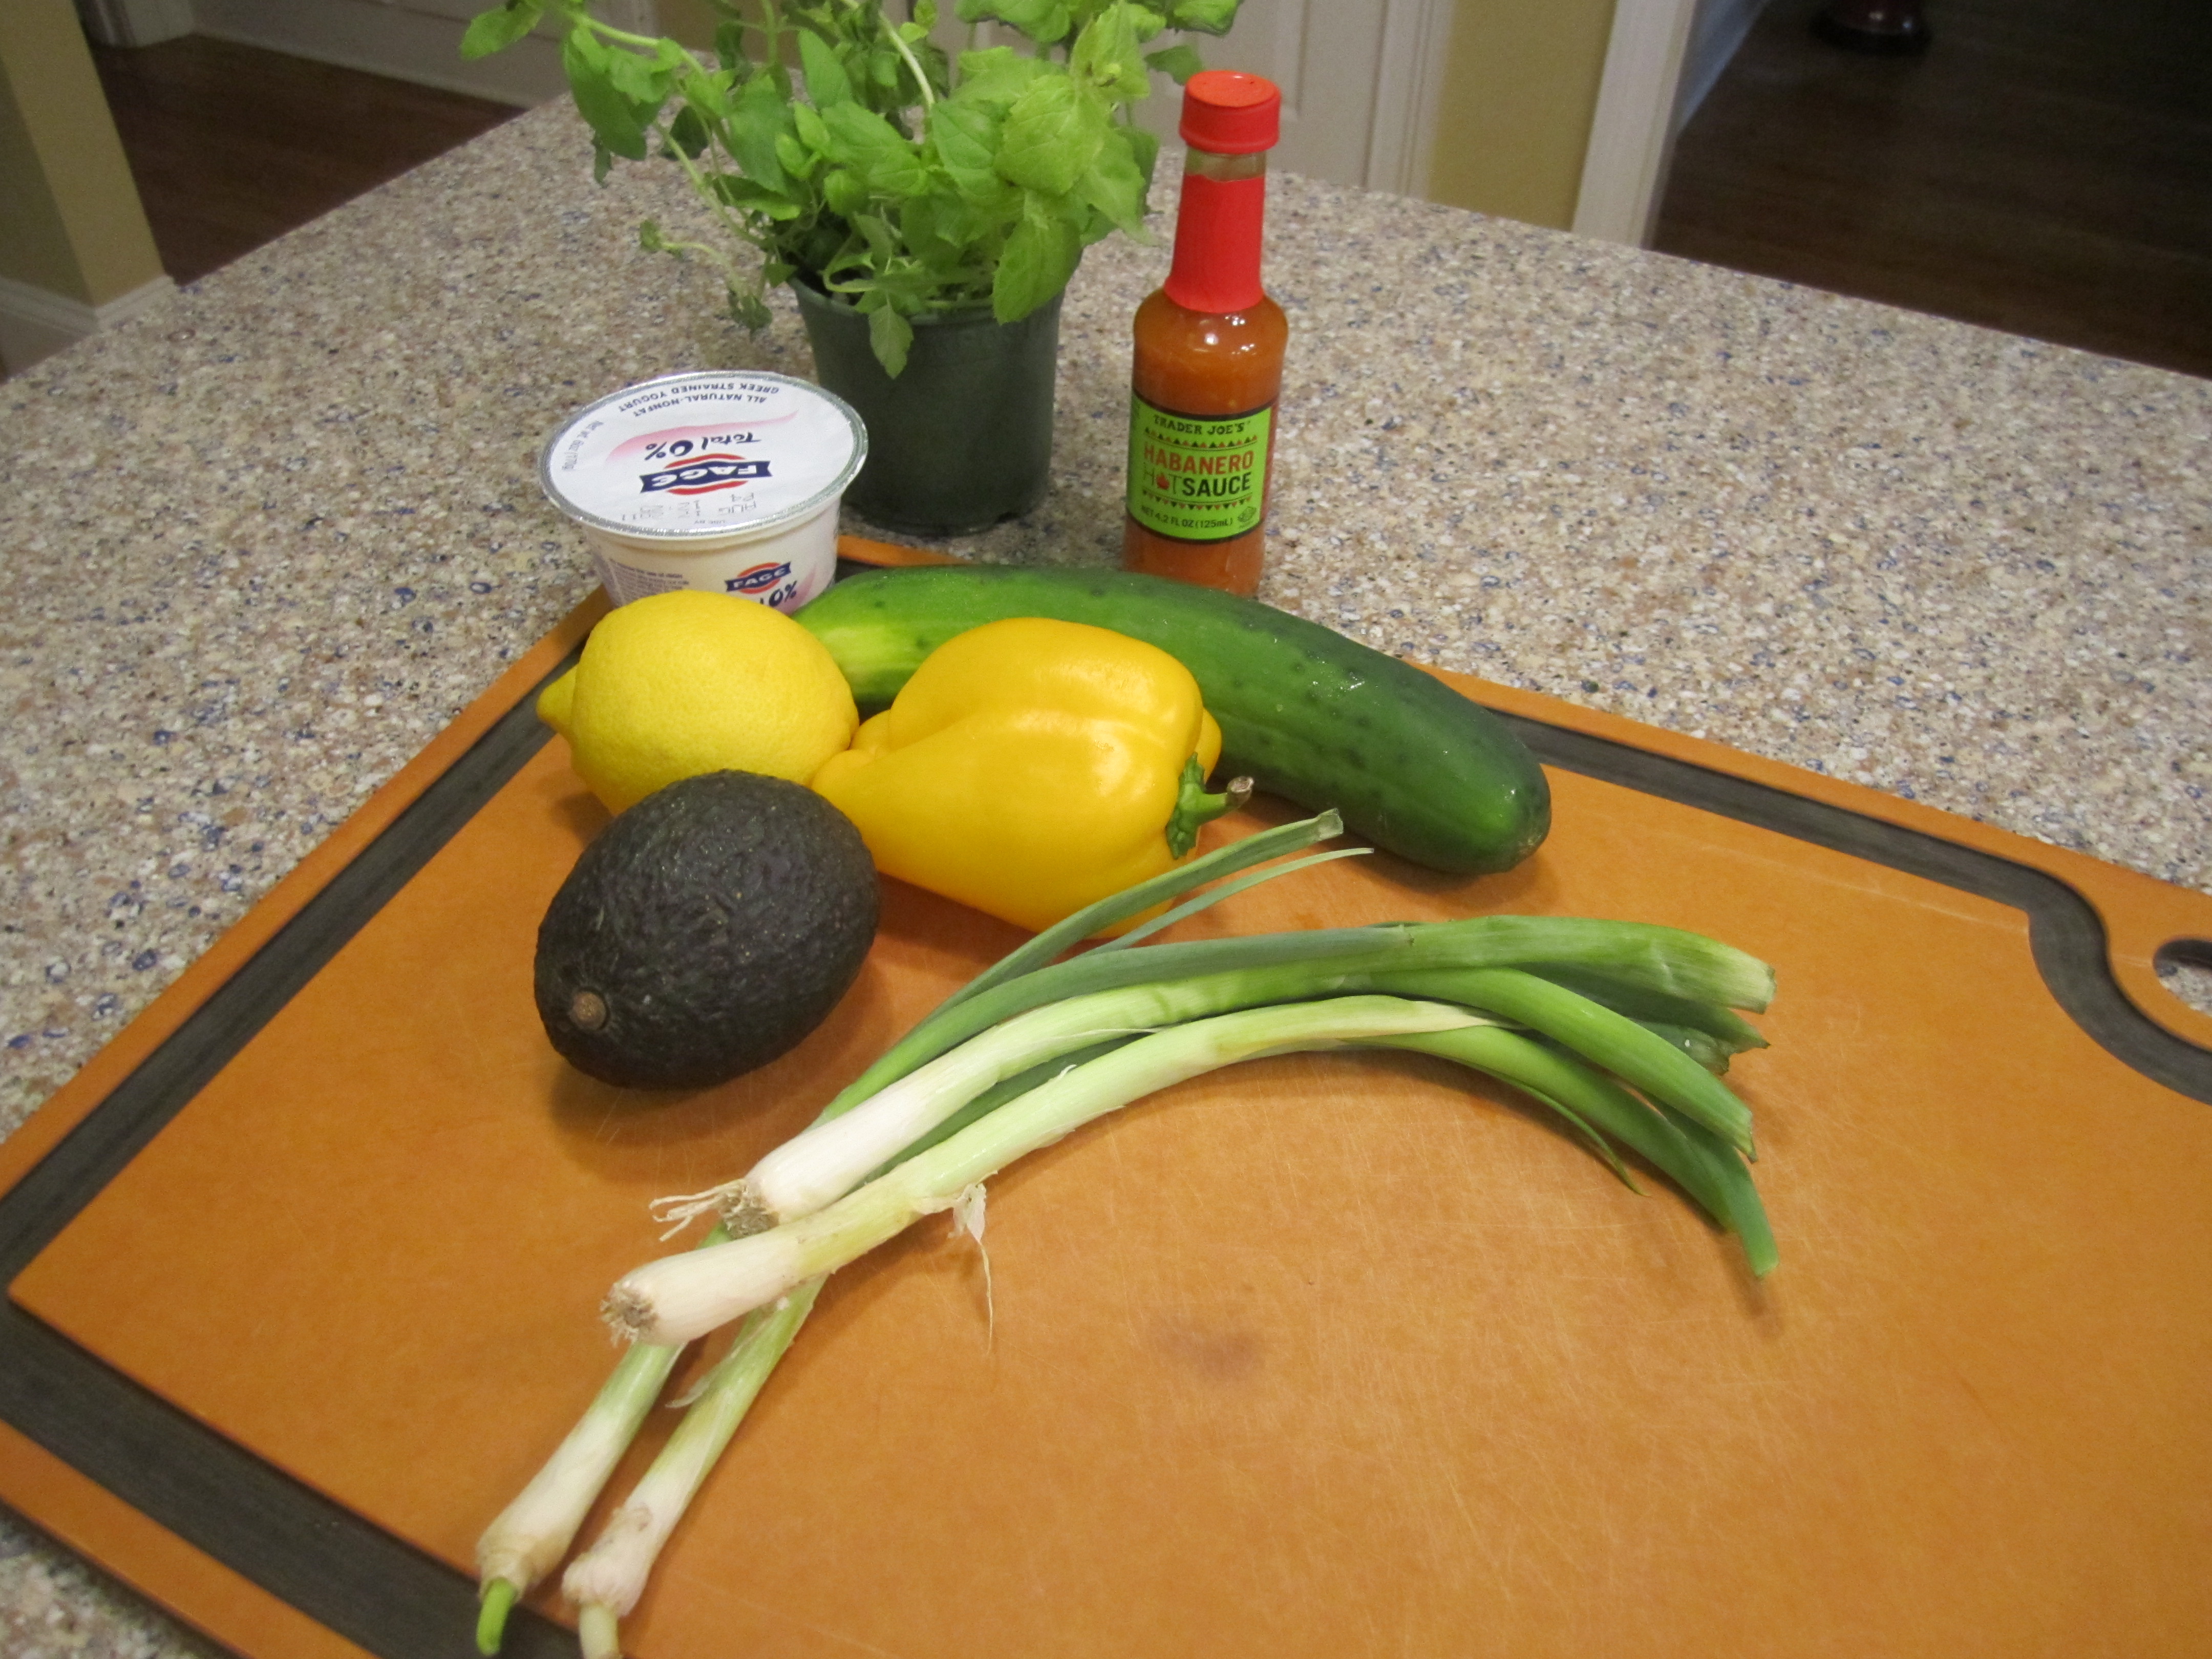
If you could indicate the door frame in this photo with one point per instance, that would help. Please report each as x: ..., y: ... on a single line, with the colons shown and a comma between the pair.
x: 1409, y: 87
x: 1632, y: 136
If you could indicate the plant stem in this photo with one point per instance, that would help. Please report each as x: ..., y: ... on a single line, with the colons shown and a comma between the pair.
x: 730, y: 222
x: 906, y: 51
x: 608, y: 31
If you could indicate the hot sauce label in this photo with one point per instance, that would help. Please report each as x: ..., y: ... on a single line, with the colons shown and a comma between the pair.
x: 1197, y: 477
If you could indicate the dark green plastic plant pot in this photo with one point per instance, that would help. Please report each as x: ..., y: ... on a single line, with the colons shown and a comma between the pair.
x: 962, y: 438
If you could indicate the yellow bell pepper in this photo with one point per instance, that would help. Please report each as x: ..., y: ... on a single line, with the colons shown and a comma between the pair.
x: 1030, y: 767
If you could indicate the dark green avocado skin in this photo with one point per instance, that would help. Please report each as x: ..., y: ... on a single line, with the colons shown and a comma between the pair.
x: 718, y: 922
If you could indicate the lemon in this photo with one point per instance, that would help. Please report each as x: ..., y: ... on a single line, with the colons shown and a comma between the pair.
x: 678, y: 684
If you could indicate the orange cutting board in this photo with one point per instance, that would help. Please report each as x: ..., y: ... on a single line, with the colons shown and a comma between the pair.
x: 1319, y: 1356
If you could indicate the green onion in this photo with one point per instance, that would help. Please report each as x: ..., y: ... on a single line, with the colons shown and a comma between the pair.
x: 1729, y: 1032
x: 1097, y: 917
x: 1614, y: 1041
x: 534, y: 1531
x: 826, y: 1161
x: 606, y: 1580
x: 1205, y: 901
x: 529, y: 1537
x: 1708, y: 1050
x: 1746, y: 1216
x: 1035, y: 1047
x: 683, y: 1296
x: 1701, y: 1166
x: 1662, y: 959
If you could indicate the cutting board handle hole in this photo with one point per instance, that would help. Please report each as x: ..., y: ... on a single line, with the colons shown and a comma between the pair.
x: 2184, y: 969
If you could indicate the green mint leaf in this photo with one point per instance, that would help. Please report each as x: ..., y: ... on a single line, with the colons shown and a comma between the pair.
x: 645, y: 82
x: 1041, y: 255
x: 749, y: 310
x: 1202, y: 16
x: 1144, y: 148
x: 997, y: 76
x: 925, y: 16
x: 688, y: 133
x: 1179, y: 64
x: 957, y: 240
x: 729, y: 43
x: 709, y: 95
x: 1114, y: 184
x: 845, y: 193
x: 862, y: 140
x: 649, y: 237
x: 614, y: 119
x: 827, y: 82
x: 964, y: 137
x: 1045, y: 22
x: 748, y: 196
x: 812, y: 132
x: 757, y: 136
x: 1051, y: 135
x: 1105, y: 56
x: 798, y: 161
x: 1147, y: 21
x: 892, y: 336
x: 876, y: 232
x: 934, y: 229
x: 496, y: 31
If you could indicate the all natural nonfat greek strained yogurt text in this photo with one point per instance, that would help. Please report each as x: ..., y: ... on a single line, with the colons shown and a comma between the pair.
x: 724, y: 481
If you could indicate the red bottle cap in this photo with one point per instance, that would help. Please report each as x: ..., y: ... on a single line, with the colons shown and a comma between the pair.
x: 1229, y: 112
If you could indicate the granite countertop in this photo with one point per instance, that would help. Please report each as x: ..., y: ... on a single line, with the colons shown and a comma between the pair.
x: 261, y: 545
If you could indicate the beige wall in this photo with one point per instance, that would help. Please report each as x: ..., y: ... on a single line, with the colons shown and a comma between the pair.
x: 70, y: 221
x: 1520, y: 90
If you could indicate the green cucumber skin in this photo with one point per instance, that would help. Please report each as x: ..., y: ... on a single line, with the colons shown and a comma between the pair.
x: 1320, y: 720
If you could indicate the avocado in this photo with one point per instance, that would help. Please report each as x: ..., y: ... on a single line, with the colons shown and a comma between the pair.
x: 704, y: 932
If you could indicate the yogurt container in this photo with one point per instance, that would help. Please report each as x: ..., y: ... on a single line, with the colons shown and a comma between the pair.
x: 726, y: 481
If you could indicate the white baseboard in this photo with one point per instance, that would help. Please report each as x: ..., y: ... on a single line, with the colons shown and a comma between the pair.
x: 416, y: 41
x: 35, y: 323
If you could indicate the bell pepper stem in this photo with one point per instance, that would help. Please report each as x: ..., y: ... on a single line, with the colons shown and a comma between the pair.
x: 1194, y: 806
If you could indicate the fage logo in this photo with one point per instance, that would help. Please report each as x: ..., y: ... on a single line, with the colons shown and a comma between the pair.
x: 702, y: 475
x: 771, y: 584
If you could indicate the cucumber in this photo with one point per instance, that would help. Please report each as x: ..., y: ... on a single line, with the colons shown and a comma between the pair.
x: 1413, y: 766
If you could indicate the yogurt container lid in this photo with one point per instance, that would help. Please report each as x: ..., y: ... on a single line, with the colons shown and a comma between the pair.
x: 700, y: 456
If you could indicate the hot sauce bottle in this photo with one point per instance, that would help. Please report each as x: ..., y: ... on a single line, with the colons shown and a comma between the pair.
x: 1208, y: 365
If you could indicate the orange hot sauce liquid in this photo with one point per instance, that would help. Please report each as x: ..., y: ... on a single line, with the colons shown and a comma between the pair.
x: 1207, y: 364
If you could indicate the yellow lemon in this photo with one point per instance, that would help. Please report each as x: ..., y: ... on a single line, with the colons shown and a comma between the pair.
x: 678, y: 684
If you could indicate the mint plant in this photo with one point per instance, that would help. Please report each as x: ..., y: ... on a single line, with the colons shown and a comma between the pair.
x: 850, y: 153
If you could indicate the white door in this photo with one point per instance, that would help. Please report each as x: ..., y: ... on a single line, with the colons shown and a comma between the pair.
x: 1359, y: 79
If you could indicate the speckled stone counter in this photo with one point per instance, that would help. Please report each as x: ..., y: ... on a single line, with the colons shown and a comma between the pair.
x: 261, y: 545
